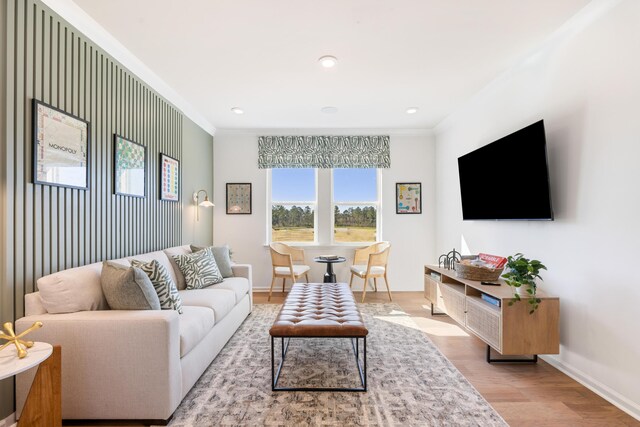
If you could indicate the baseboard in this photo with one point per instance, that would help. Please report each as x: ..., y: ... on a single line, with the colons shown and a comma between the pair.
x: 10, y: 421
x: 596, y: 386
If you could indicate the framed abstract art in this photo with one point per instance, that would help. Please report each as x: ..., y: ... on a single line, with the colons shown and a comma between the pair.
x: 238, y: 198
x: 130, y: 168
x: 169, y: 178
x: 408, y: 198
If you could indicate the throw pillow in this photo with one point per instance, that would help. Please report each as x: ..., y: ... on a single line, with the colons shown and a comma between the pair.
x: 200, y: 269
x: 222, y: 255
x: 76, y: 289
x: 127, y: 288
x: 165, y: 286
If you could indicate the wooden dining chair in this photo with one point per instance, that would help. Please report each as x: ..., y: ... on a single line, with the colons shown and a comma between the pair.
x: 371, y: 263
x: 288, y: 263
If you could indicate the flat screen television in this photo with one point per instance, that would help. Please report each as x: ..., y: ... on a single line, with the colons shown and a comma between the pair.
x: 507, y: 179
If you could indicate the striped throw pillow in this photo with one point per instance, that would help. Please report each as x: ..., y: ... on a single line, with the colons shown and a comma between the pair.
x: 199, y: 269
x: 162, y: 283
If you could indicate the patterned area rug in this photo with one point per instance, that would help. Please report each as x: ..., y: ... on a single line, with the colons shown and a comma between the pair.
x: 410, y: 382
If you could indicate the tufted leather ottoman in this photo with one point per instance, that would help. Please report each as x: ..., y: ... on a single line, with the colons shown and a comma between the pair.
x: 319, y: 310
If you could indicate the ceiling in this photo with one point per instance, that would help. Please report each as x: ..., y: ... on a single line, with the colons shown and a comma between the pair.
x: 263, y: 55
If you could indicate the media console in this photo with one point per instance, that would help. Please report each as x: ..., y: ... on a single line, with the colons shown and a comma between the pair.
x: 509, y: 330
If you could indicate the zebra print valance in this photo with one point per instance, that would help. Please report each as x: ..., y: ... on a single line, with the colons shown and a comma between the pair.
x: 324, y: 152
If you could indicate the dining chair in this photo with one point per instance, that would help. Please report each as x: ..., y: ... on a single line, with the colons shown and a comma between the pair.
x: 288, y: 263
x: 371, y: 263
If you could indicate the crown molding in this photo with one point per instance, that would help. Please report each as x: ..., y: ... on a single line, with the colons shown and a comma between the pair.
x: 90, y: 28
x: 325, y: 131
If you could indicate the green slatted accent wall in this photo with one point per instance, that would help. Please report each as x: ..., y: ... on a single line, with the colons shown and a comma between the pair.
x: 47, y: 229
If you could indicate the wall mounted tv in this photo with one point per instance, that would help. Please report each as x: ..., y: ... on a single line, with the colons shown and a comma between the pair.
x: 507, y: 179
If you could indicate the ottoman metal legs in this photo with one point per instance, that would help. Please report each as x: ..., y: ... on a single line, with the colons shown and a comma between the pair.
x: 362, y: 367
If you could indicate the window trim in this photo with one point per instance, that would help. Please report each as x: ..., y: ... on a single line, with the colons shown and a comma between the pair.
x: 324, y: 238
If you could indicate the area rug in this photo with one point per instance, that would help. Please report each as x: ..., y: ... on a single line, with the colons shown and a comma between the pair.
x: 410, y: 382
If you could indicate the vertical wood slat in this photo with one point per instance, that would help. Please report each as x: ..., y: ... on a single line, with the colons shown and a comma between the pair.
x: 18, y: 152
x: 55, y: 228
x: 7, y: 296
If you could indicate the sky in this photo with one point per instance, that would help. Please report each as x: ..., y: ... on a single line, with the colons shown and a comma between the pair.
x: 297, y: 185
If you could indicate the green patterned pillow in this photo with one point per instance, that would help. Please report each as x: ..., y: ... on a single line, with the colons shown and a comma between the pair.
x: 162, y: 283
x: 199, y: 269
x: 222, y: 255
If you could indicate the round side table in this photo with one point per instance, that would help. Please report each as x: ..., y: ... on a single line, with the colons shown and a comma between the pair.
x: 329, y: 276
x: 43, y: 405
x: 11, y: 364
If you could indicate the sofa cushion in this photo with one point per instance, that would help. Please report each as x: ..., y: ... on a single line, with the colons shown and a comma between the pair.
x: 222, y: 255
x: 170, y: 253
x: 162, y: 258
x: 219, y: 301
x: 199, y: 269
x: 195, y: 323
x: 75, y: 289
x: 239, y: 286
x: 163, y: 284
x: 128, y: 288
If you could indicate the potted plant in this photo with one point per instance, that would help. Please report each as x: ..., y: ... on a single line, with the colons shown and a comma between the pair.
x: 521, y: 275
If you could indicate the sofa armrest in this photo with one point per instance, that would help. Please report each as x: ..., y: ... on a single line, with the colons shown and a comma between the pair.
x: 244, y: 270
x: 130, y: 359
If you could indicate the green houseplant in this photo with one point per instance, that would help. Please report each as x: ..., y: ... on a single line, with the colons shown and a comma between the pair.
x: 522, y: 274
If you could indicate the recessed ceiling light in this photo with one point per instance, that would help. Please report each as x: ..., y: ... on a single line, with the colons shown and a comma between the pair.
x: 412, y: 110
x: 328, y: 61
x: 329, y: 110
x: 237, y: 110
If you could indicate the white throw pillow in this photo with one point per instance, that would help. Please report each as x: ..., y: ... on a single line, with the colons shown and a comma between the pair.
x: 75, y: 289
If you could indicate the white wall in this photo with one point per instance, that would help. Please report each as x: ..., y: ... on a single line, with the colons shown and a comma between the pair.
x: 412, y: 236
x: 585, y: 84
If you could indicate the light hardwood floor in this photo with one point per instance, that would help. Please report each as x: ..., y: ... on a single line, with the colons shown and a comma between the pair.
x: 525, y: 395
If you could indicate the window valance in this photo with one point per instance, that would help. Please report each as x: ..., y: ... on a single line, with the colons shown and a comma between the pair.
x: 368, y: 151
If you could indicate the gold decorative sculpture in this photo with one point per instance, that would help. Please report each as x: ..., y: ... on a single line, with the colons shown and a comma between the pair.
x: 12, y: 338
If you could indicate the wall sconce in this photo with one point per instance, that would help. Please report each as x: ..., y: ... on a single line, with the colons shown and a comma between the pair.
x: 205, y: 203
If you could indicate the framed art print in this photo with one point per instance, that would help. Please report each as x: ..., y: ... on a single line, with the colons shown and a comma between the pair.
x: 130, y: 169
x: 408, y: 198
x: 60, y: 148
x: 169, y: 178
x: 238, y: 198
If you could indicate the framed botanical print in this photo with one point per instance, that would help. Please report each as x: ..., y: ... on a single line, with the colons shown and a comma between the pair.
x: 408, y: 198
x: 169, y: 178
x: 130, y: 168
x: 60, y: 148
x: 238, y: 198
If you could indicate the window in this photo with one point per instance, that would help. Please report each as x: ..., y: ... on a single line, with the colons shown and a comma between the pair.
x: 323, y: 206
x: 293, y: 205
x: 355, y: 205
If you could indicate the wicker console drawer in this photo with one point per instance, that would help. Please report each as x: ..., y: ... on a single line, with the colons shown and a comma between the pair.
x: 454, y: 302
x: 484, y: 321
x: 430, y: 290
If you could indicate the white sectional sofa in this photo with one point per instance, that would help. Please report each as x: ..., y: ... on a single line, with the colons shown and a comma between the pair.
x: 137, y: 364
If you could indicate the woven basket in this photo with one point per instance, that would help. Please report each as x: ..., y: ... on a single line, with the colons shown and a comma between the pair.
x: 474, y: 272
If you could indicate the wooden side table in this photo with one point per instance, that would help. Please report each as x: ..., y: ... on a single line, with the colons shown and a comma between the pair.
x: 43, y: 407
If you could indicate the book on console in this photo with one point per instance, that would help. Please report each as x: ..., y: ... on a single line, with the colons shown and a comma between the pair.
x: 491, y: 300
